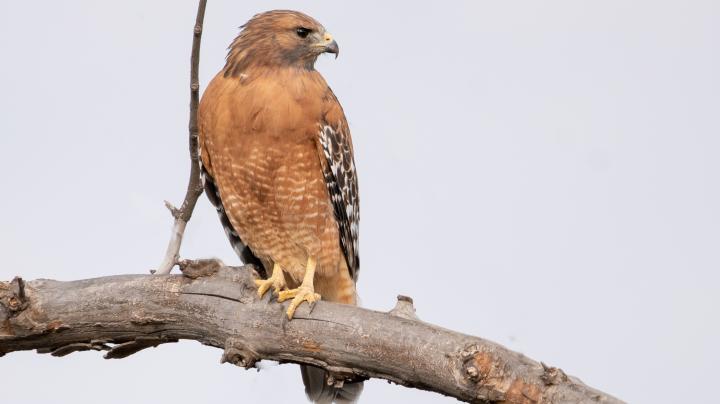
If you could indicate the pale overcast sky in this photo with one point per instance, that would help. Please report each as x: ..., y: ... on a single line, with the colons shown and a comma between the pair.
x: 541, y: 174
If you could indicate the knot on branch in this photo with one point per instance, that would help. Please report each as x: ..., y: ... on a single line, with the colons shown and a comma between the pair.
x: 495, y: 378
x: 552, y: 375
x: 239, y: 353
x: 199, y: 268
x: 470, y: 368
x: 12, y: 300
x: 404, y: 308
x: 479, y: 368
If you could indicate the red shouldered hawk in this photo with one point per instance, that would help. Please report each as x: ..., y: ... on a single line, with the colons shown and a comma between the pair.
x: 278, y: 162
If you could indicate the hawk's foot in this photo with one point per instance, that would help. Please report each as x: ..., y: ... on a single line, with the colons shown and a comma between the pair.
x: 302, y: 294
x: 276, y: 281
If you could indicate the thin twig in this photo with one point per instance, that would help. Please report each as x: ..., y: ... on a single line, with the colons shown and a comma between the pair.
x: 195, y: 186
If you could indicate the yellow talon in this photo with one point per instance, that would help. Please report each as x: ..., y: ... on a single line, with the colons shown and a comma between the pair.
x: 276, y: 281
x: 305, y: 293
x: 299, y: 295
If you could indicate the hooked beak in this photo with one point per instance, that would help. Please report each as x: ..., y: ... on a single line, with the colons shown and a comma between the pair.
x: 329, y: 45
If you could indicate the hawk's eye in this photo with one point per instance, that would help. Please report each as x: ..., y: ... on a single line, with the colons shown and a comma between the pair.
x: 303, y: 32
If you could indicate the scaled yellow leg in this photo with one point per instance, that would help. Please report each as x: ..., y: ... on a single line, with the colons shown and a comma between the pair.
x: 276, y: 281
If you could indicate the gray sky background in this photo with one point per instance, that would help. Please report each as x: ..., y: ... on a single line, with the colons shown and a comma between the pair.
x: 542, y: 174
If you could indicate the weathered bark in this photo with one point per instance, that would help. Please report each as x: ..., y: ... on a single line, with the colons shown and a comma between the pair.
x: 218, y: 306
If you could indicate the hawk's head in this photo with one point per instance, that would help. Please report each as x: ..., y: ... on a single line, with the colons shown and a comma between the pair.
x: 279, y: 38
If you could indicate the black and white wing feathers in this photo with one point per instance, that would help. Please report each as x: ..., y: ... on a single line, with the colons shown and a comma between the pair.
x: 341, y: 181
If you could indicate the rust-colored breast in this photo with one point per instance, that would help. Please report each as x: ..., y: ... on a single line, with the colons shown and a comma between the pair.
x: 259, y: 142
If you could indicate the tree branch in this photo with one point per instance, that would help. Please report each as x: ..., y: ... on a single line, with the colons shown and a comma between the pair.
x: 195, y: 186
x: 218, y: 306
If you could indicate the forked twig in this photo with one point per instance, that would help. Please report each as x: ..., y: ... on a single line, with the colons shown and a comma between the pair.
x: 195, y: 185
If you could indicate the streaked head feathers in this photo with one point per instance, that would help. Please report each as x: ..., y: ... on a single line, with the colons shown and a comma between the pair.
x: 279, y: 38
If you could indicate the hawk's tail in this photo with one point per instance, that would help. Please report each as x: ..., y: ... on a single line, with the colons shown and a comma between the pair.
x: 316, y: 379
x: 318, y: 391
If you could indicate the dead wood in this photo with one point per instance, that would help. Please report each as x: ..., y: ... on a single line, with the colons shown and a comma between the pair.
x: 218, y: 306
